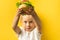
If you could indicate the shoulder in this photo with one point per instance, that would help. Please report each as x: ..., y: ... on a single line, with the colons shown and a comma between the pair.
x: 22, y: 30
x: 36, y: 31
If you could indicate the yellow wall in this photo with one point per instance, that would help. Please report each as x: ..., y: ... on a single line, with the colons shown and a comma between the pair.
x: 47, y: 10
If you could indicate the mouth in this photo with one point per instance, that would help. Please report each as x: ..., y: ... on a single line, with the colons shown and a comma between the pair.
x: 28, y: 28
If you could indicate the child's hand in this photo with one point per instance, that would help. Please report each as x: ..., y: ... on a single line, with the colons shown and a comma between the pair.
x: 23, y: 9
x: 28, y: 10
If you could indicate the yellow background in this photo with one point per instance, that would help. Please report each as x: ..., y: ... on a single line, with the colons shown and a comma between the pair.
x: 47, y: 10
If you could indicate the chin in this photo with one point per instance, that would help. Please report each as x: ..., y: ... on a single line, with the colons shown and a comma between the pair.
x: 28, y: 30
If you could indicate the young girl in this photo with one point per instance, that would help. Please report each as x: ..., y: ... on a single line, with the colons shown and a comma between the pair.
x: 31, y: 27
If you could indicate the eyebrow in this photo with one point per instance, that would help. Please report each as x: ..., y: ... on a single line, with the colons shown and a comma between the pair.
x: 30, y: 21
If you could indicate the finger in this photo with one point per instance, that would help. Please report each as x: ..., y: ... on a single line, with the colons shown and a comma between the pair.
x: 31, y: 9
x: 27, y: 12
x: 19, y: 11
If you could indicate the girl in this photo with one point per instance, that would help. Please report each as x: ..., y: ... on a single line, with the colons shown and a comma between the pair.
x: 31, y: 27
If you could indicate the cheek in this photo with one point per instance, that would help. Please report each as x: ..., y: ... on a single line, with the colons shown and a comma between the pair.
x: 23, y: 24
x: 32, y: 25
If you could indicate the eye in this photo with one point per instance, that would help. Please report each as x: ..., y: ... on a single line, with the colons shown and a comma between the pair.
x: 25, y: 21
x: 30, y: 21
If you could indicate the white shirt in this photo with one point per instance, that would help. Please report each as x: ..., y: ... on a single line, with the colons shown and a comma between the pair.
x: 33, y: 35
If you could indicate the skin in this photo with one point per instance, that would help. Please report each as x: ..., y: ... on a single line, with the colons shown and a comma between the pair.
x: 28, y: 23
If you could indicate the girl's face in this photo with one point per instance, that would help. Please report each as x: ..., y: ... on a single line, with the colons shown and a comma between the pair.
x: 28, y: 23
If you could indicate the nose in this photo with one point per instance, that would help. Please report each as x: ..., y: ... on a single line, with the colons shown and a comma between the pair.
x: 28, y: 24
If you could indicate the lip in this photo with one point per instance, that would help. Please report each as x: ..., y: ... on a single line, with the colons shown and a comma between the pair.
x: 28, y: 28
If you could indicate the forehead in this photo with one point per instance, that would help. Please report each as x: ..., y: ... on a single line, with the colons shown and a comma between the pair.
x: 27, y: 17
